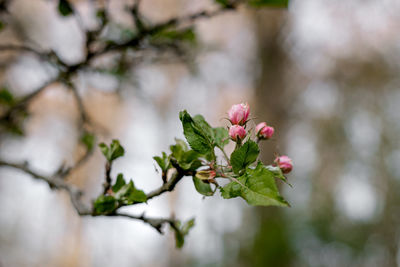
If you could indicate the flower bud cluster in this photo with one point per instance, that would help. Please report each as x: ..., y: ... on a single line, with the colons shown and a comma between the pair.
x: 238, y: 116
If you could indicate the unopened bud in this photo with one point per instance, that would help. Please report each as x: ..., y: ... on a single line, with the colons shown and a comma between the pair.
x: 205, y: 174
x: 284, y: 163
x: 237, y: 132
x: 239, y: 113
x: 264, y: 131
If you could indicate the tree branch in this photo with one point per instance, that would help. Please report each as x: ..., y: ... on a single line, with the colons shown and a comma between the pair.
x: 156, y: 223
x: 24, y: 101
x: 82, y: 210
x: 54, y: 183
x: 65, y: 75
x: 63, y: 172
x: 148, y: 31
x: 171, y: 183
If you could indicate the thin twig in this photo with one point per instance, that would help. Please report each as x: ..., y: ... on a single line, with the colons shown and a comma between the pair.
x: 15, y: 47
x: 156, y: 223
x: 171, y: 183
x: 24, y: 101
x: 65, y: 172
x: 54, y: 183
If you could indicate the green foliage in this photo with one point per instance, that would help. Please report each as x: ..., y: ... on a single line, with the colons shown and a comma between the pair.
x: 6, y: 97
x: 223, y: 3
x: 257, y: 186
x: 105, y: 204
x: 65, y: 8
x: 221, y: 137
x: 120, y: 182
x: 244, y: 156
x: 88, y: 139
x: 201, y: 137
x: 197, y: 134
x: 202, y: 187
x: 163, y: 161
x: 185, y: 35
x: 122, y: 194
x: 233, y: 189
x: 187, y: 159
x: 129, y: 194
x: 269, y: 3
x: 182, y: 231
x: 277, y: 172
x: 113, y: 152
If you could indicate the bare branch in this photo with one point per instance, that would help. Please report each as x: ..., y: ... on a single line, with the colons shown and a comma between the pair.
x: 54, y: 183
x: 156, y: 223
x: 65, y: 172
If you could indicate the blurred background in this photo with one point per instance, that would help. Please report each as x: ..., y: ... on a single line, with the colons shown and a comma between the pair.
x: 324, y: 73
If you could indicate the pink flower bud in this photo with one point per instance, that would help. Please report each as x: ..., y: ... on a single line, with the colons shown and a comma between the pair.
x: 239, y: 113
x: 263, y: 131
x: 237, y: 132
x: 284, y: 163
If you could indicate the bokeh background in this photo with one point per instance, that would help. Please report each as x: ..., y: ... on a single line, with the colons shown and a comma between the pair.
x: 324, y: 73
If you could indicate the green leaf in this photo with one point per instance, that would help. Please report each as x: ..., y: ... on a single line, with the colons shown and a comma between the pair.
x: 202, y: 187
x: 277, y: 172
x: 6, y: 98
x: 196, y: 136
x: 269, y: 3
x: 119, y: 183
x: 203, y: 124
x: 181, y: 232
x: 257, y: 186
x: 244, y: 156
x: 221, y: 137
x: 65, y: 8
x: 129, y: 194
x: 113, y: 152
x: 178, y: 150
x: 187, y: 159
x: 233, y: 189
x: 104, y: 149
x: 116, y: 150
x: 163, y: 161
x: 88, y: 139
x: 261, y: 188
x: 190, y: 161
x: 105, y: 204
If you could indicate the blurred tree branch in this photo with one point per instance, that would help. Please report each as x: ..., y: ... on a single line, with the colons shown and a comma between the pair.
x: 56, y: 182
x: 96, y: 47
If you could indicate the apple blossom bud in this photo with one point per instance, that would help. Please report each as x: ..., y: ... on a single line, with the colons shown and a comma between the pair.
x: 284, y: 163
x: 239, y: 113
x: 206, y: 174
x: 264, y: 131
x: 237, y: 132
